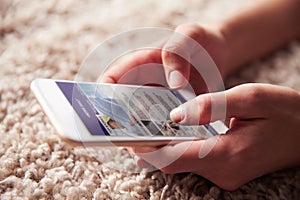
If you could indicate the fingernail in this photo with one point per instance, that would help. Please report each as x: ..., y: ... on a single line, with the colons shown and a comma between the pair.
x: 176, y: 80
x: 176, y: 114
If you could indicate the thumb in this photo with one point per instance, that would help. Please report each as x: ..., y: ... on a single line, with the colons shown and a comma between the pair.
x: 176, y: 54
x: 239, y: 102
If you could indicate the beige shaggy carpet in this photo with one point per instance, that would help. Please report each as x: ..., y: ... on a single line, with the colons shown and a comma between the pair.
x: 50, y: 39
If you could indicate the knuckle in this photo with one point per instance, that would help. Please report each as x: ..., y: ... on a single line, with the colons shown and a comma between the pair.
x: 204, y: 102
x: 190, y: 29
x: 172, y: 47
x: 169, y: 53
x: 204, y: 108
x: 175, y: 50
x: 254, y: 94
x: 194, y: 31
x: 182, y: 42
x: 174, y: 60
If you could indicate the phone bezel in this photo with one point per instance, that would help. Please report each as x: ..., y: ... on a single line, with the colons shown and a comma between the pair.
x: 69, y: 125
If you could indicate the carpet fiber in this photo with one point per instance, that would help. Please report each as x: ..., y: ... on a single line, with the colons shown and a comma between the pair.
x: 49, y: 39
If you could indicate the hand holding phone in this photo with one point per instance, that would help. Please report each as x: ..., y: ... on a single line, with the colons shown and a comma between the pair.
x: 125, y: 115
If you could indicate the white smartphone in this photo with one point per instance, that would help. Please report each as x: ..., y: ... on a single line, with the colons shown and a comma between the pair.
x: 123, y: 115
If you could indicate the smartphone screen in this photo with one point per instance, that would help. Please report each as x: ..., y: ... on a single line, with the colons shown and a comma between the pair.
x: 122, y: 110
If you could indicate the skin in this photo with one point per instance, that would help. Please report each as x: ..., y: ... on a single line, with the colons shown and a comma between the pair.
x: 263, y: 135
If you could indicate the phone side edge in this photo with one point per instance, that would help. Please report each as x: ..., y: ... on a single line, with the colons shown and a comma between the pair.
x: 39, y: 94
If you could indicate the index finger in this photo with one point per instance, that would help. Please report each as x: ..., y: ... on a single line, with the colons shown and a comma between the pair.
x: 182, y: 157
x: 115, y: 73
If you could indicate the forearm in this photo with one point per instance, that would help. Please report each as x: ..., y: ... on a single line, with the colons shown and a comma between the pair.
x: 259, y: 29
